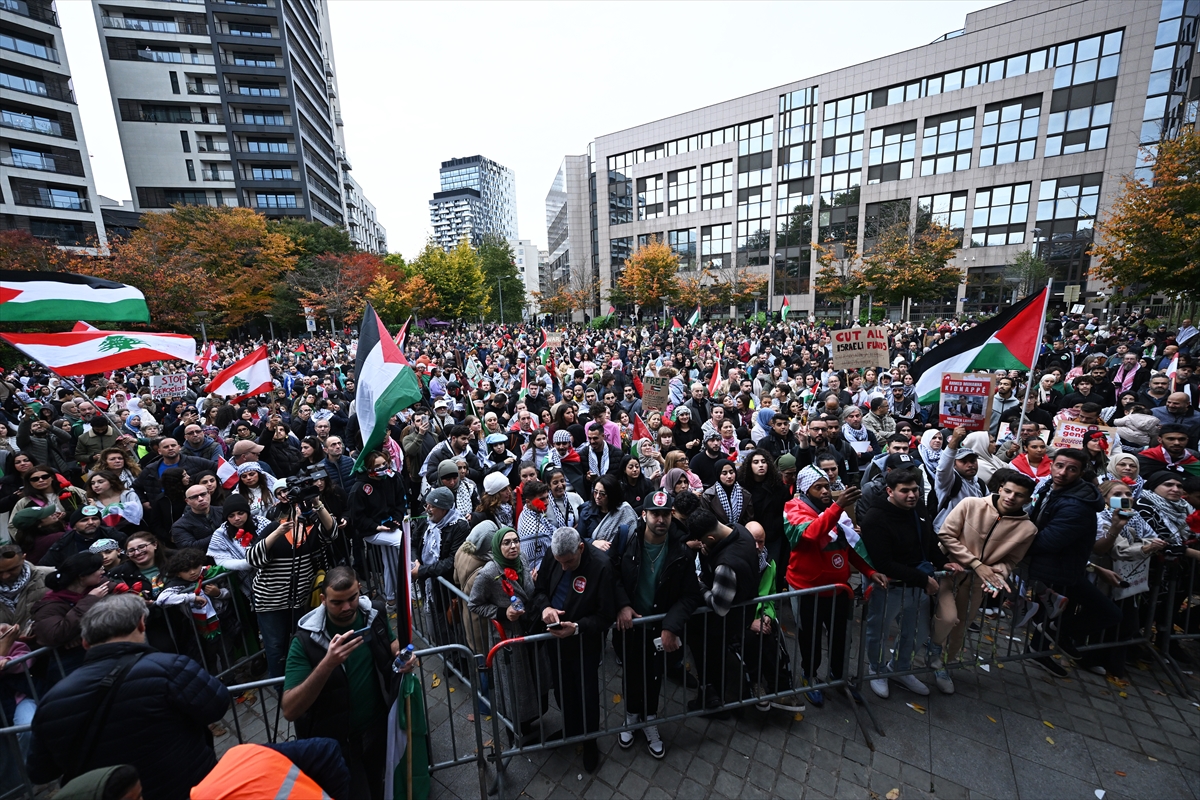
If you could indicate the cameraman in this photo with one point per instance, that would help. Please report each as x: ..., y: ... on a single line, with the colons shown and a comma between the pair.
x: 287, y: 554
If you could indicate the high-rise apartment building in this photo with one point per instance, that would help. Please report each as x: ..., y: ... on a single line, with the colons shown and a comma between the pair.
x: 570, y: 226
x: 46, y: 184
x: 365, y: 231
x: 528, y: 263
x: 229, y: 102
x: 1015, y: 132
x: 478, y: 197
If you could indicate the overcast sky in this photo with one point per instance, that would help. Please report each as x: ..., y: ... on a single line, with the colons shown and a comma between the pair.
x: 527, y: 83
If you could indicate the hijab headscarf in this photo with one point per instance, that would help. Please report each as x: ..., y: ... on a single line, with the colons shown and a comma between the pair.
x: 1171, y: 514
x: 979, y: 442
x: 512, y: 569
x: 1136, y: 483
x: 673, y: 477
x: 479, y: 541
x: 929, y: 456
x: 762, y: 424
x: 650, y: 466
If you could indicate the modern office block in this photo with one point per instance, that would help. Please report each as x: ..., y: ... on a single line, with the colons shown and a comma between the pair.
x: 1014, y: 131
x: 528, y: 263
x: 478, y: 197
x: 230, y: 103
x: 46, y: 184
x: 571, y: 226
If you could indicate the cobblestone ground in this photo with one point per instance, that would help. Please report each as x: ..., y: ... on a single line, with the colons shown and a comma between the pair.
x: 1011, y: 732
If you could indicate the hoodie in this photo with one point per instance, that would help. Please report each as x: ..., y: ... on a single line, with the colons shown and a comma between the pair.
x: 1066, y: 523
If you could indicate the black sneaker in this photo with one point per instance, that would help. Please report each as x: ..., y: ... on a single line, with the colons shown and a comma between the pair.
x: 591, y: 756
x: 1068, y: 649
x: 1053, y: 667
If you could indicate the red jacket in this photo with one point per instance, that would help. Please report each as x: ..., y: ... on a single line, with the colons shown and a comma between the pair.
x: 811, y: 564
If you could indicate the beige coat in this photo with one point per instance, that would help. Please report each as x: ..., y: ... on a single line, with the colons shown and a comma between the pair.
x: 975, y: 530
x: 466, y: 570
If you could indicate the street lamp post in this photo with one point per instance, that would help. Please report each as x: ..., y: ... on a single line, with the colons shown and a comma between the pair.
x: 664, y: 299
x: 500, y: 294
x: 271, y: 324
x: 756, y: 295
x: 201, y: 315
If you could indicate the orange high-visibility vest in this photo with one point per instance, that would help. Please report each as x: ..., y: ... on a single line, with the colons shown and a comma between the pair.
x: 254, y: 772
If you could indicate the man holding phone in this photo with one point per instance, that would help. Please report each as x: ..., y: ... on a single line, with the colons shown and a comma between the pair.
x: 339, y: 681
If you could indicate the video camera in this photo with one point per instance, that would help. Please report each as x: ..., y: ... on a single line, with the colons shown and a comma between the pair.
x: 302, y: 488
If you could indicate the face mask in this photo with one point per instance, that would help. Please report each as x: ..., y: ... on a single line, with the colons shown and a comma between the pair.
x: 382, y: 472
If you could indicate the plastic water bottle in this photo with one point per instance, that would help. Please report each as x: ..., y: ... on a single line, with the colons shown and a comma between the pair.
x: 405, y: 656
x: 516, y: 604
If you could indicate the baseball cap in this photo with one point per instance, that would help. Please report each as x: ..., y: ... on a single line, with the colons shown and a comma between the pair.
x: 898, y: 461
x: 964, y: 452
x: 245, y: 446
x: 85, y: 511
x: 658, y: 501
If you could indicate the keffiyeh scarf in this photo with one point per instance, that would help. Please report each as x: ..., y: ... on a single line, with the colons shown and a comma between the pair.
x: 598, y: 464
x: 431, y: 547
x: 11, y: 592
x: 732, y: 501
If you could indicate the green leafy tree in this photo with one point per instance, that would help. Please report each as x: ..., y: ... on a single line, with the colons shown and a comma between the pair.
x: 1028, y: 273
x: 457, y: 279
x: 496, y: 258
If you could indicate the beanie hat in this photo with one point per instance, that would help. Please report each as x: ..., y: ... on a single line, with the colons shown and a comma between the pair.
x: 494, y: 483
x: 235, y: 502
x: 442, y: 498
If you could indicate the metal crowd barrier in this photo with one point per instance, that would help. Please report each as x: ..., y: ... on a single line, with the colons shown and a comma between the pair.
x: 233, y: 647
x: 14, y: 782
x: 1179, y: 619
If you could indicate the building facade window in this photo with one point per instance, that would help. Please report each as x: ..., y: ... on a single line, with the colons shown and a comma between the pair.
x: 1066, y: 215
x: 756, y: 137
x: 948, y: 209
x: 619, y: 251
x: 191, y: 169
x: 650, y: 197
x: 842, y: 129
x: 797, y: 133
x: 892, y: 151
x: 620, y: 194
x: 265, y: 200
x: 946, y: 142
x: 1001, y: 215
x: 681, y: 191
x: 716, y: 185
x: 881, y: 216
x: 1010, y: 130
x: 644, y: 239
x: 271, y: 173
x: 715, y: 245
x: 683, y: 244
x: 793, y: 213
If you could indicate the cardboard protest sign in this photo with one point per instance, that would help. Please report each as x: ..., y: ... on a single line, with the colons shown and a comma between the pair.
x: 164, y: 386
x: 966, y: 400
x: 860, y: 348
x: 655, y: 393
x: 1070, y: 434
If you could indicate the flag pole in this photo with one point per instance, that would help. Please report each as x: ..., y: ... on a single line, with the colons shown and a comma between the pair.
x: 1033, y: 366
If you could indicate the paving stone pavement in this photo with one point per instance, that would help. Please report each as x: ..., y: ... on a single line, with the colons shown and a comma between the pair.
x: 988, y: 740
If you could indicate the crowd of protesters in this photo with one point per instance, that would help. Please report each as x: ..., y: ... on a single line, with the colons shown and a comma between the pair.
x: 545, y: 485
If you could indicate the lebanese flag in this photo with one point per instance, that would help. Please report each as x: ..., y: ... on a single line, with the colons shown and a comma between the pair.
x: 208, y: 358
x: 1172, y: 370
x: 785, y: 308
x: 715, y: 382
x: 87, y: 352
x: 227, y: 473
x: 83, y: 327
x: 640, y: 431
x: 243, y: 378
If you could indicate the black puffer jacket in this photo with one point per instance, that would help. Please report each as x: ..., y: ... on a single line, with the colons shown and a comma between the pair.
x: 1066, y: 522
x: 158, y: 720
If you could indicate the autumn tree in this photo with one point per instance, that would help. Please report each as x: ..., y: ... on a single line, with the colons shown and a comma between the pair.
x: 1149, y: 240
x: 334, y: 284
x: 650, y: 273
x: 497, y: 260
x: 457, y: 280
x: 840, y: 277
x: 557, y: 302
x: 23, y: 251
x: 910, y: 260
x: 695, y: 289
x: 395, y: 302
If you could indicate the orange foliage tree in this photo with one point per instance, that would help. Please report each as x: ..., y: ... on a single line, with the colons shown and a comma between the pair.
x: 336, y: 283
x: 912, y: 263
x: 650, y: 273
x: 24, y: 251
x: 394, y: 298
x: 1150, y: 239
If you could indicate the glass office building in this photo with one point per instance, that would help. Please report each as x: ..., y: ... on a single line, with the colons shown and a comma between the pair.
x: 478, y: 197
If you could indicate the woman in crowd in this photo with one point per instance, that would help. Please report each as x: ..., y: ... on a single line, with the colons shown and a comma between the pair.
x: 607, y: 520
x: 1124, y: 467
x: 208, y: 479
x: 634, y: 483
x: 121, y: 508
x: 563, y: 505
x: 729, y: 502
x: 677, y: 459
x: 729, y: 439
x: 648, y: 458
x: 1049, y: 399
x: 1095, y: 448
x: 675, y: 481
x: 984, y: 446
x: 759, y: 477
x: 12, y: 489
x: 503, y: 589
x: 117, y: 460
x: 143, y: 570
x: 231, y: 541
x: 1032, y: 460
x: 40, y: 517
x: 256, y: 486
x: 536, y: 452
x: 535, y: 524
x: 278, y: 451
x: 929, y: 452
x: 311, y: 452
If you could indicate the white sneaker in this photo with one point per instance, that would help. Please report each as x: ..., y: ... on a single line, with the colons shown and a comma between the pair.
x: 944, y: 683
x: 653, y: 741
x: 878, y: 685
x: 911, y: 683
x: 625, y: 738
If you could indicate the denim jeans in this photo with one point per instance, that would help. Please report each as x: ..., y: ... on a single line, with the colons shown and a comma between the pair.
x: 277, y: 629
x: 910, y: 605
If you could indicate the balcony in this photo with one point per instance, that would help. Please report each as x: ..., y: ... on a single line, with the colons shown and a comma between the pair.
x: 40, y: 11
x: 169, y: 57
x: 274, y: 202
x: 244, y: 90
x: 214, y: 174
x: 248, y: 31
x: 56, y: 199
x: 247, y: 3
x: 260, y: 60
x: 264, y: 120
x: 188, y: 27
x: 267, y: 148
x: 212, y: 147
x: 33, y: 124
x: 40, y: 88
x: 203, y: 88
x: 28, y: 48
x: 44, y: 162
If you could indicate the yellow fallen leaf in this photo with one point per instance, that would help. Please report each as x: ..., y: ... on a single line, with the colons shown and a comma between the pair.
x: 1048, y: 739
x: 916, y: 708
x: 1048, y: 724
x: 452, y: 688
x: 798, y: 717
x: 616, y: 699
x: 894, y: 794
x: 1122, y: 694
x: 988, y: 638
x: 993, y: 719
x: 1117, y: 771
x: 436, y: 682
x: 999, y: 666
x: 1152, y: 758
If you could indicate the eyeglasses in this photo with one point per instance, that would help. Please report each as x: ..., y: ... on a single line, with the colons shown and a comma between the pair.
x: 139, y: 549
x: 7, y: 554
x: 196, y: 496
x: 34, y: 478
x: 510, y: 542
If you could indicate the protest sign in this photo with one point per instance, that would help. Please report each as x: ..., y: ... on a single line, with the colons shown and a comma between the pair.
x: 655, y: 393
x: 966, y: 401
x: 860, y: 348
x: 554, y: 340
x: 1070, y: 434
x: 173, y: 385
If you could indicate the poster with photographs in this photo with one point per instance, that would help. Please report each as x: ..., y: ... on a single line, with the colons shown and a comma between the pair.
x: 966, y: 400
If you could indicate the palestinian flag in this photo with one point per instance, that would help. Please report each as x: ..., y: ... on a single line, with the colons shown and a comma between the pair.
x: 714, y: 382
x: 386, y: 385
x: 402, y: 334
x: 543, y: 348
x: 227, y: 473
x: 27, y: 296
x: 694, y: 319
x: 852, y: 538
x: 640, y: 431
x: 87, y: 352
x: 243, y: 378
x: 524, y: 379
x: 1010, y: 340
x: 675, y: 325
x: 611, y: 310
x: 784, y: 309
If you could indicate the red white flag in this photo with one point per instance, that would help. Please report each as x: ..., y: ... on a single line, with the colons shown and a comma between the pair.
x: 87, y: 352
x: 227, y: 473
x: 715, y: 382
x: 208, y: 358
x: 243, y: 378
